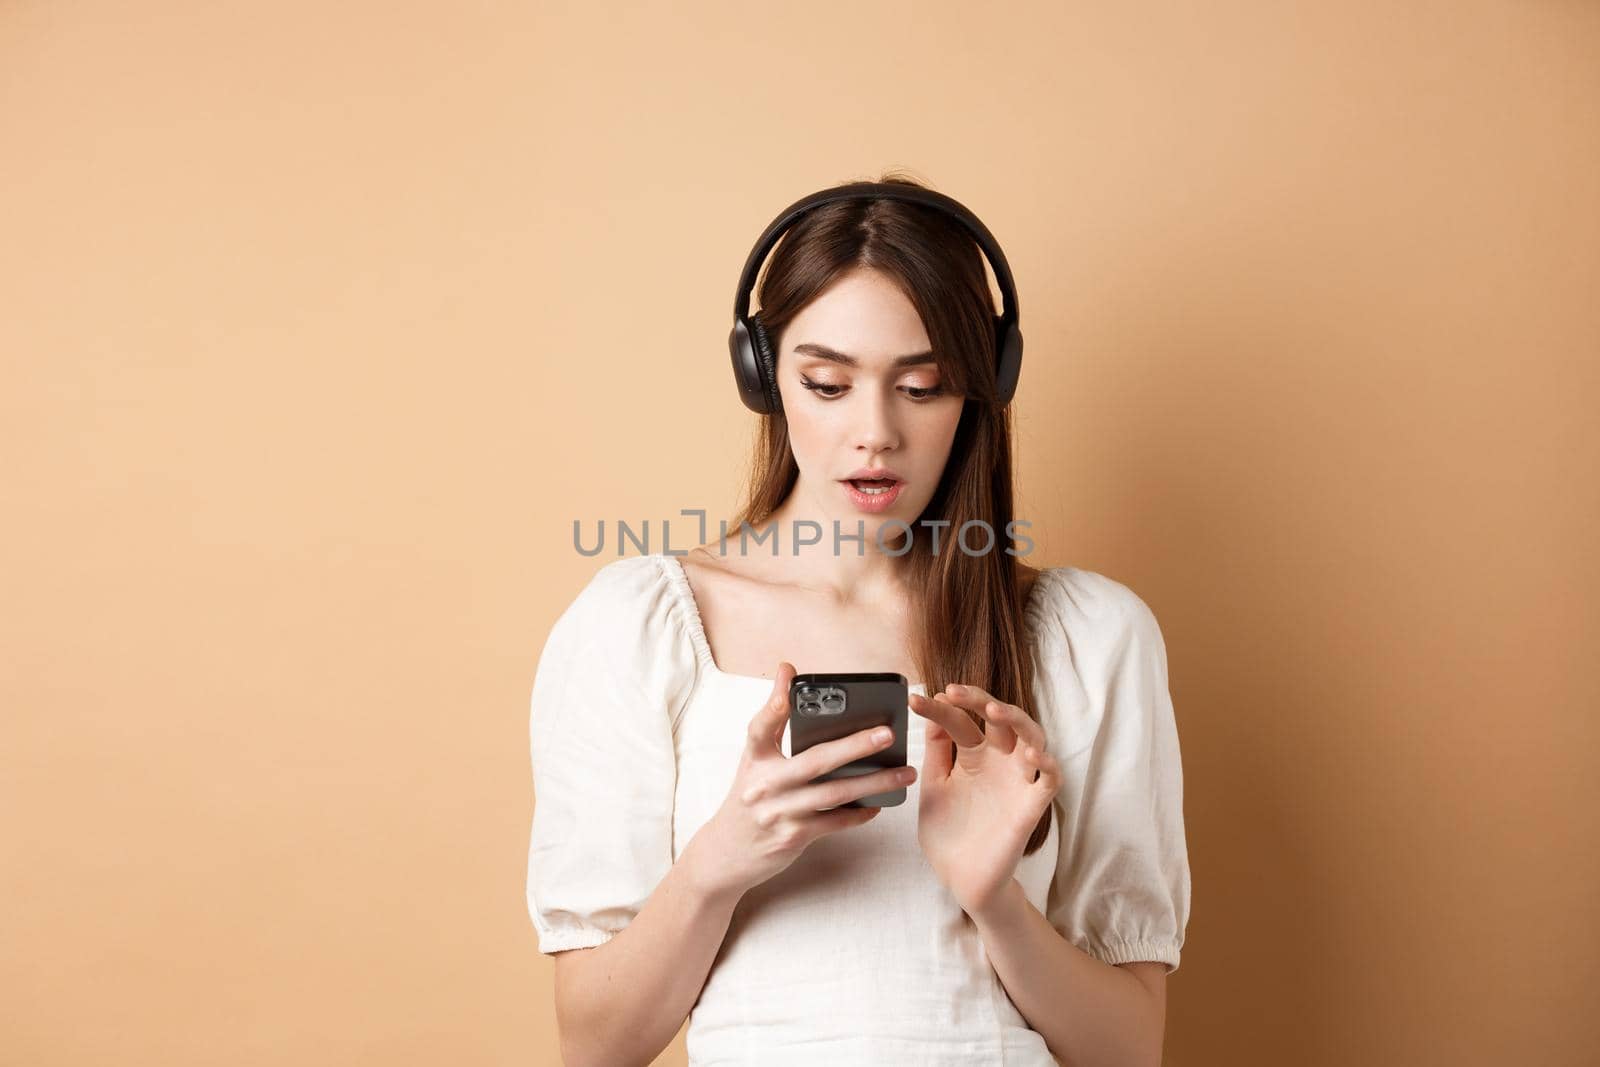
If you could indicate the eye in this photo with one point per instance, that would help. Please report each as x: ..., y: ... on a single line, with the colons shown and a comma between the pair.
x: 820, y: 389
x: 832, y: 392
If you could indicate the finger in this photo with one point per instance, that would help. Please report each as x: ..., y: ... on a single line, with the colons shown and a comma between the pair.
x: 821, y: 758
x: 974, y: 699
x: 938, y: 753
x: 1019, y: 722
x: 765, y: 733
x: 1002, y: 735
x: 813, y: 798
x: 970, y: 697
x: 1046, y: 766
x: 957, y: 723
x: 972, y: 743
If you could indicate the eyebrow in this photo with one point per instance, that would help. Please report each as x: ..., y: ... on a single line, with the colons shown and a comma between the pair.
x: 824, y: 352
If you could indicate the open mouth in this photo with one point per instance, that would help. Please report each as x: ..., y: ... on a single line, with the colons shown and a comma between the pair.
x: 873, y: 494
x: 875, y: 486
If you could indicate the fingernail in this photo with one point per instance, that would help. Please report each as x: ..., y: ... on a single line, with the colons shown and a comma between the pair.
x: 882, y: 733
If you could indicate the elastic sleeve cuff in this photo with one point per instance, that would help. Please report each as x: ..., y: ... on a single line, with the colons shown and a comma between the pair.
x: 1120, y: 950
x: 577, y: 937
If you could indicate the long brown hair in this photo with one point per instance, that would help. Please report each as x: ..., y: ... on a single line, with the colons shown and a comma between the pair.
x: 941, y: 270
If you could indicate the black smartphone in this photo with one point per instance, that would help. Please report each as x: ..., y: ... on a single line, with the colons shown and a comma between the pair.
x: 828, y: 706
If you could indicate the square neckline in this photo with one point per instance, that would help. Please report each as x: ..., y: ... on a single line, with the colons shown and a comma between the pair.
x: 678, y: 577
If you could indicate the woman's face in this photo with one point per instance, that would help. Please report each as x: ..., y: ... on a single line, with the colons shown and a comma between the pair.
x: 866, y: 405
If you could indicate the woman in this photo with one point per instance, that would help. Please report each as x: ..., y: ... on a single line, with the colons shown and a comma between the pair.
x: 1034, y: 896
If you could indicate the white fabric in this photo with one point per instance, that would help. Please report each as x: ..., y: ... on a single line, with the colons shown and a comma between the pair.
x: 856, y: 954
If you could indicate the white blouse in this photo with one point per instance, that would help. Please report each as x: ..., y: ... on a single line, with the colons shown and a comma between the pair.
x: 856, y: 953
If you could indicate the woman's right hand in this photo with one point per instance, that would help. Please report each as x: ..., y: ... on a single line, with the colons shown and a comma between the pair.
x: 771, y: 812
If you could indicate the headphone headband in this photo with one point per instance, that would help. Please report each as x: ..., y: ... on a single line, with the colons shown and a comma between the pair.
x: 909, y: 194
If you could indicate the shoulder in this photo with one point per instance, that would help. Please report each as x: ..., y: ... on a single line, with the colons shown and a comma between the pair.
x: 708, y: 568
x: 715, y: 567
x: 1094, y: 639
x: 1087, y: 603
x: 625, y: 577
x: 631, y: 598
x: 624, y: 581
x: 626, y: 631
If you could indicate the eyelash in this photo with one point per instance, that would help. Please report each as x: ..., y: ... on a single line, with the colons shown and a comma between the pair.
x: 916, y: 394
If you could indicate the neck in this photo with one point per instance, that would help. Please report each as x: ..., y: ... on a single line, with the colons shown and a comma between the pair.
x: 856, y: 570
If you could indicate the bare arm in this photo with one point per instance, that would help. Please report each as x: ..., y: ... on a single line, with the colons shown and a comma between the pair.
x: 1091, y: 1013
x: 622, y: 1001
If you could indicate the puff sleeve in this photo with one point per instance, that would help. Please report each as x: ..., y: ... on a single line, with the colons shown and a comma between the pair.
x: 1120, y: 890
x: 611, y: 681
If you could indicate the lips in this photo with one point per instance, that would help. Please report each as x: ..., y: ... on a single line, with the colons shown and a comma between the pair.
x: 872, y: 474
x: 872, y: 502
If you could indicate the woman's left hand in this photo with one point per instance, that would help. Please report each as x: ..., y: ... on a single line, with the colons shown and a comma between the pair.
x: 979, y: 804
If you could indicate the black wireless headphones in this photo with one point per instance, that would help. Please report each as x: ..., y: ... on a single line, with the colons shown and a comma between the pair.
x: 755, y: 361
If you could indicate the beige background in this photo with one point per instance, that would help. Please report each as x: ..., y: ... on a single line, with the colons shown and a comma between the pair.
x: 323, y: 321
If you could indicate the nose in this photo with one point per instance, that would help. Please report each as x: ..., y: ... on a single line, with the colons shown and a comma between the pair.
x: 875, y: 428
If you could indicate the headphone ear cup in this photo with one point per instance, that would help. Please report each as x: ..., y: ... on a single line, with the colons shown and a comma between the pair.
x: 1008, y: 364
x: 746, y: 367
x: 767, y: 361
